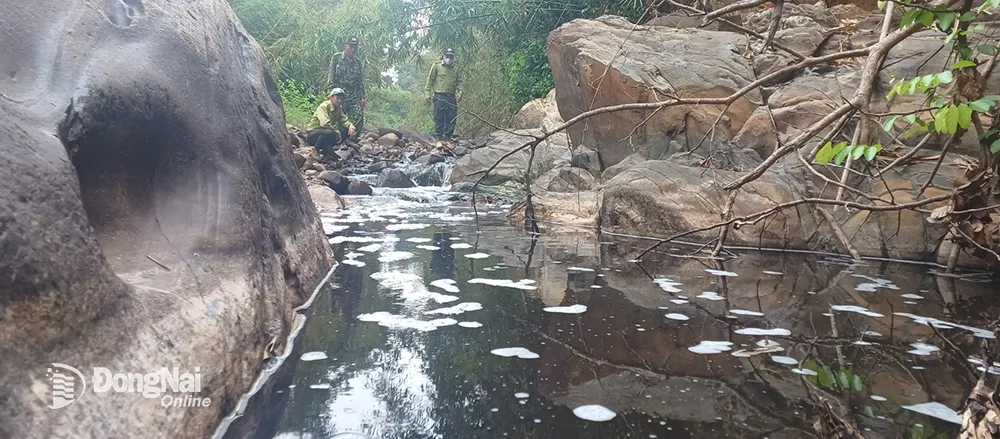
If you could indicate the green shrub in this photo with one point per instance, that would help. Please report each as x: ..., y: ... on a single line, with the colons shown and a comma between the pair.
x: 299, y: 101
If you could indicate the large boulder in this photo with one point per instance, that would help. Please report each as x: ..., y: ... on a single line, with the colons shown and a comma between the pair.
x: 325, y: 198
x: 335, y: 181
x: 655, y: 63
x: 152, y: 215
x: 539, y: 113
x: 660, y: 198
x: 565, y: 180
x: 358, y: 187
x: 548, y: 154
x: 394, y: 178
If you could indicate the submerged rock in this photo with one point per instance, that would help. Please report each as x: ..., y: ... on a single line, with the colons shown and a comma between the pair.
x: 358, y: 187
x: 513, y: 168
x: 136, y: 174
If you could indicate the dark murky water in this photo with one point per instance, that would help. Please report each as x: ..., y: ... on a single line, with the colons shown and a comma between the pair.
x: 673, y: 348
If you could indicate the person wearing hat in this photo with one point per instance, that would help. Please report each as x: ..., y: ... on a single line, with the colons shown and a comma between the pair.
x: 444, y: 82
x: 346, y: 73
x: 329, y: 125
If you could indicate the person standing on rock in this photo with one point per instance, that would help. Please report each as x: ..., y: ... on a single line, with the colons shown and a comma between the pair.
x: 346, y: 73
x: 444, y: 82
x: 329, y: 125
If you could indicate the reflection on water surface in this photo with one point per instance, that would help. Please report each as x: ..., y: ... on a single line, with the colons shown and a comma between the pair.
x: 433, y: 330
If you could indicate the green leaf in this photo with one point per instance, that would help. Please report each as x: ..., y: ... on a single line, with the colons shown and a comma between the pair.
x: 911, y: 118
x: 963, y: 64
x: 992, y: 98
x: 825, y: 154
x: 968, y: 16
x: 987, y: 134
x: 859, y: 384
x: 868, y: 412
x: 826, y: 378
x: 979, y: 27
x: 926, y: 18
x: 871, y: 151
x: 964, y: 116
x: 981, y: 105
x: 857, y: 151
x: 841, y: 156
x: 946, y: 120
x: 909, y: 17
x: 881, y: 5
x: 944, y: 77
x: 844, y: 379
x: 888, y: 124
x: 946, y: 19
x: 965, y: 52
x: 995, y: 147
x: 987, y: 49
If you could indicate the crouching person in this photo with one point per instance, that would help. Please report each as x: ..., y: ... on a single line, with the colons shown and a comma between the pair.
x: 329, y: 126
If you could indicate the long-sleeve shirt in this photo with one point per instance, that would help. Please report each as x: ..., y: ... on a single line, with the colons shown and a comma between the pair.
x: 329, y: 116
x: 346, y: 73
x: 443, y: 79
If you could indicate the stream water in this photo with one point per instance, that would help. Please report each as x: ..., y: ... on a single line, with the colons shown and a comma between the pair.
x: 432, y: 329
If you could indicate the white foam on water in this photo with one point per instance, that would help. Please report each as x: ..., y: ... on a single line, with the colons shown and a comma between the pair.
x: 744, y: 312
x: 406, y: 226
x: 323, y: 386
x: 862, y: 343
x: 941, y: 324
x: 518, y: 352
x: 580, y: 269
x: 667, y: 285
x: 678, y: 301
x: 446, y: 284
x: 720, y: 272
x: 477, y: 255
x: 461, y: 245
x: 773, y: 273
x: 761, y: 331
x: 394, y: 256
x: 340, y: 239
x: 781, y: 359
x: 393, y: 321
x: 470, y: 324
x: 879, y: 398
x: 418, y: 240
x: 922, y: 349
x: 856, y: 309
x: 871, y: 333
x: 711, y: 347
x: 313, y: 356
x: 807, y: 372
x: 936, y: 410
x: 353, y: 255
x: 710, y: 295
x: 596, y: 287
x: 523, y: 284
x: 767, y: 343
x: 676, y: 316
x: 454, y: 238
x: 370, y: 248
x: 428, y: 247
x: 572, y: 309
x: 330, y: 229
x: 457, y: 309
x: 521, y: 395
x: 912, y: 296
x: 594, y: 413
x: 353, y: 262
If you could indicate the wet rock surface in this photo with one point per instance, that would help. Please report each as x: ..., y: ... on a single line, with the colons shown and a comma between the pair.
x: 152, y: 210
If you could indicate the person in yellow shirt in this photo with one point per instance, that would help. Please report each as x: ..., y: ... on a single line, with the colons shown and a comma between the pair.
x: 444, y: 88
x: 329, y: 125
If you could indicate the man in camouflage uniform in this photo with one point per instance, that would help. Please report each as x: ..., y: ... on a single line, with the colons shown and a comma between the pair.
x: 346, y: 73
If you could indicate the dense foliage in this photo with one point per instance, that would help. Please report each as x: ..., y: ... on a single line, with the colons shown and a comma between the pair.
x: 500, y: 44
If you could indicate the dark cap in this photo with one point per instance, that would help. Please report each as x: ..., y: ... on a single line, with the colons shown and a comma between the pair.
x: 448, y: 51
x: 352, y: 41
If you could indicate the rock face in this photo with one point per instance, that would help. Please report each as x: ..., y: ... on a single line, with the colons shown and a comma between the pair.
x: 394, y: 178
x: 548, y: 154
x: 566, y: 180
x: 133, y: 131
x: 654, y: 63
x: 659, y: 198
x: 540, y: 113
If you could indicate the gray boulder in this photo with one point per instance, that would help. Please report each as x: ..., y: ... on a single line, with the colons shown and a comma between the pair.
x: 429, y: 159
x: 547, y: 154
x: 359, y: 188
x: 390, y: 139
x: 335, y: 180
x: 394, y: 178
x: 566, y: 180
x: 151, y: 210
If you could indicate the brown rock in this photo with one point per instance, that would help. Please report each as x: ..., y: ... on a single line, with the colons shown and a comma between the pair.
x: 655, y: 62
x: 389, y: 139
x: 325, y: 199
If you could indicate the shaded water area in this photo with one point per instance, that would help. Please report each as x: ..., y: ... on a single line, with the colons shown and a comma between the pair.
x: 674, y: 347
